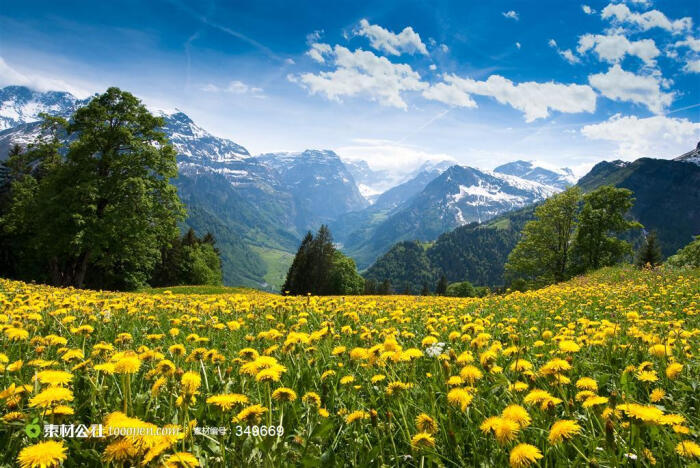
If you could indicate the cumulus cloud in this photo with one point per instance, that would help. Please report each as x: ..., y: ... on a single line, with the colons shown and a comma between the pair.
x: 613, y: 48
x: 234, y: 87
x: 535, y: 100
x: 318, y: 50
x: 620, y: 85
x: 517, y: 44
x: 619, y: 13
x: 690, y: 42
x: 511, y: 15
x: 362, y: 73
x: 567, y: 54
x: 692, y: 66
x: 658, y: 136
x: 587, y: 10
x: 38, y: 82
x: 407, y: 41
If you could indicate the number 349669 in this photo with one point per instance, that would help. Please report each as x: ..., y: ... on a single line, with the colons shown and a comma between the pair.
x: 262, y: 431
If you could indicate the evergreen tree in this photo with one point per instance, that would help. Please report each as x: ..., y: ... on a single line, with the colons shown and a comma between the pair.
x: 296, y: 282
x: 370, y: 287
x: 384, y: 288
x: 441, y: 287
x: 425, y: 291
x: 650, y: 252
x: 318, y: 268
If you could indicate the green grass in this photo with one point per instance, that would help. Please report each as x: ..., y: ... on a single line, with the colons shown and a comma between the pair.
x: 277, y: 263
x: 204, y: 289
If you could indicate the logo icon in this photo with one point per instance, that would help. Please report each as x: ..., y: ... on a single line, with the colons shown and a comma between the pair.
x: 33, y: 429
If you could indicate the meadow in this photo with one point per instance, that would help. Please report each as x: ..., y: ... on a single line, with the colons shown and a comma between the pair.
x: 600, y: 371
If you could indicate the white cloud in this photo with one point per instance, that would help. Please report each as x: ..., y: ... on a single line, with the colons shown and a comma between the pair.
x: 314, y: 36
x: 382, y: 39
x: 234, y: 87
x: 587, y: 10
x: 444, y: 48
x: 318, y: 50
x: 693, y: 66
x: 37, y: 82
x: 534, y: 99
x: 620, y: 85
x: 621, y: 14
x: 567, y: 54
x: 362, y: 73
x: 517, y: 44
x: 432, y: 67
x: 690, y: 42
x: 613, y: 48
x: 511, y: 15
x: 397, y: 157
x: 658, y: 136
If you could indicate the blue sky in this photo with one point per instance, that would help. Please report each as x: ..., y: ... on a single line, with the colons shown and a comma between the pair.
x: 393, y: 82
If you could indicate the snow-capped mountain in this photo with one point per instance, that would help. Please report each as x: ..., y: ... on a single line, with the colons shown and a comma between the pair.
x: 319, y: 181
x: 192, y: 141
x: 560, y: 178
x: 458, y: 196
x: 692, y: 156
x: 20, y: 105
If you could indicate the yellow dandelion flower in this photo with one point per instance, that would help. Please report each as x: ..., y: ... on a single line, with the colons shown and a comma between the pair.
x: 563, y: 429
x: 523, y: 455
x: 422, y: 440
x: 42, y: 455
x: 425, y: 423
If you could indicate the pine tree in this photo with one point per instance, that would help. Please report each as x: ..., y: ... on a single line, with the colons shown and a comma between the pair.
x: 650, y: 252
x: 441, y: 287
x: 384, y: 288
x: 425, y: 291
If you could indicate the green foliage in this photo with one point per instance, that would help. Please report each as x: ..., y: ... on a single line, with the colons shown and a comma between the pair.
x: 319, y: 269
x: 189, y: 260
x: 666, y: 197
x: 542, y: 255
x: 463, y: 289
x: 406, y: 265
x: 650, y: 252
x: 603, y: 214
x: 99, y: 215
x: 344, y: 279
x: 566, y: 239
x: 441, y: 287
x: 688, y: 256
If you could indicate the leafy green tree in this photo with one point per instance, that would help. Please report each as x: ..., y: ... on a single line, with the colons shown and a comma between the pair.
x: 370, y: 287
x: 687, y: 256
x: 344, y: 279
x: 384, y: 288
x: 100, y: 215
x: 441, y: 287
x: 650, y: 252
x: 188, y: 260
x: 462, y: 289
x: 599, y: 221
x: 543, y: 253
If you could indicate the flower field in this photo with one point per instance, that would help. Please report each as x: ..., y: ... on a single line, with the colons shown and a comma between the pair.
x: 600, y: 371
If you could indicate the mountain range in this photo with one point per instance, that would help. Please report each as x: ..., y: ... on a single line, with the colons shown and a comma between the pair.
x: 667, y: 200
x: 258, y: 207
